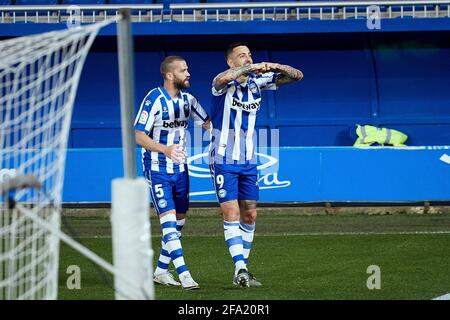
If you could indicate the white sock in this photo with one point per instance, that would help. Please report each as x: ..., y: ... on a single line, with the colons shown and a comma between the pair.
x: 248, y: 233
x: 233, y: 239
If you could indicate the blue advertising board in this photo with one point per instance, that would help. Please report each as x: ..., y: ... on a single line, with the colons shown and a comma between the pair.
x: 291, y: 174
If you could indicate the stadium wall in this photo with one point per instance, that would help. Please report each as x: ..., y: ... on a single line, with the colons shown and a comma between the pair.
x: 397, y: 79
x: 291, y: 174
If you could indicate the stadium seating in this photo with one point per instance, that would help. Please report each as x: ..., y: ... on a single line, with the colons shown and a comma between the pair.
x: 83, y: 2
x: 31, y: 14
x: 129, y: 1
x: 35, y: 2
x: 168, y: 2
x: 221, y: 1
x: 133, y: 12
x: 263, y: 1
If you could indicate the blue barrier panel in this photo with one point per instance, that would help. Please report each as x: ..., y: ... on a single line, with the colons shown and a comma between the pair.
x: 291, y: 174
x: 246, y: 27
x: 348, y: 81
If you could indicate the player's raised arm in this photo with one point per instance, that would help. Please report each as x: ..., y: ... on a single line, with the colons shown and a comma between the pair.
x: 223, y: 78
x: 199, y: 115
x: 287, y: 74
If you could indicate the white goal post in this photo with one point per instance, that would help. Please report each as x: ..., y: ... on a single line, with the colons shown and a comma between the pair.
x: 39, y: 75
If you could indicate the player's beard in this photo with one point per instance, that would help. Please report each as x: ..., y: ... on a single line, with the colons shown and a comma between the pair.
x: 182, y: 84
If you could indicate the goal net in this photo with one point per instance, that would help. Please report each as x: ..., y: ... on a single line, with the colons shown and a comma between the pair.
x: 39, y: 75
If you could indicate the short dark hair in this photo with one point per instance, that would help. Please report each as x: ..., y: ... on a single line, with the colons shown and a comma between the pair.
x: 232, y: 46
x: 164, y: 68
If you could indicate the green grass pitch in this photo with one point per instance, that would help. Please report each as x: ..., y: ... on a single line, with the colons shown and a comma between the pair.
x: 295, y: 257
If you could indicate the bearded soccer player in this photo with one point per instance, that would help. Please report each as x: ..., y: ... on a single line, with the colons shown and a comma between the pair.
x: 160, y: 130
x: 235, y: 104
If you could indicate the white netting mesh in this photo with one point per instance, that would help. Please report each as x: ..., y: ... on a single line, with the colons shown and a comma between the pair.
x: 38, y: 81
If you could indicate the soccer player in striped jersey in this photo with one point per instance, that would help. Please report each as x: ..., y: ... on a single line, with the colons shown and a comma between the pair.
x: 235, y: 104
x: 160, y: 129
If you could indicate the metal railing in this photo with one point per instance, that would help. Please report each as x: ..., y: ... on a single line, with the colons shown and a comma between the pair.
x: 198, y: 12
x: 85, y: 13
x: 322, y: 10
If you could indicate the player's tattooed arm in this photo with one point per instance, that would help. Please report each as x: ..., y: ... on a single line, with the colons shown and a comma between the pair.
x: 222, y: 79
x: 287, y: 74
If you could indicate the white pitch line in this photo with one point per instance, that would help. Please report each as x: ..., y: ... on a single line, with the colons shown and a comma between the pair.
x: 444, y: 297
x: 358, y: 233
x: 350, y: 233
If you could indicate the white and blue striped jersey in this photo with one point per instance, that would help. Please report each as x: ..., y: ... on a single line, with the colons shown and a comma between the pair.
x: 233, y: 117
x: 165, y: 121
